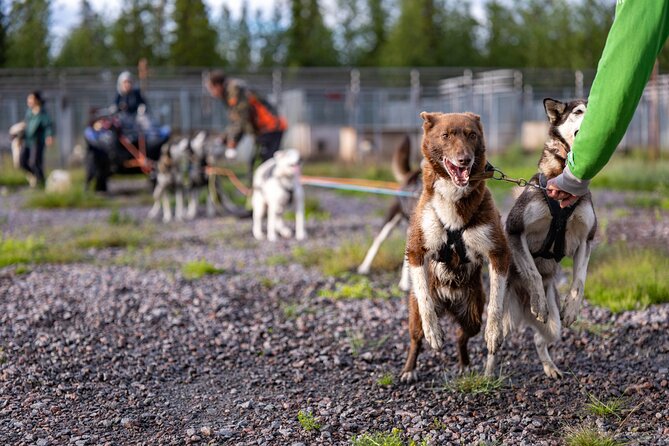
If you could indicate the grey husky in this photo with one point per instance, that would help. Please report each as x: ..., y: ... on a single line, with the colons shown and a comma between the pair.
x: 540, y: 234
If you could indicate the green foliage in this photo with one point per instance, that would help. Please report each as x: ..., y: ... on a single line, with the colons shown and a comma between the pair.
x: 475, y: 383
x: 356, y: 287
x: 308, y: 421
x: 634, y: 173
x: 588, y: 436
x: 76, y: 197
x: 78, y: 50
x: 386, y: 380
x: 3, y: 35
x: 9, y: 176
x: 621, y: 278
x: 33, y: 250
x: 610, y: 407
x: 194, y: 38
x: 130, y: 33
x: 199, y: 268
x: 28, y: 34
x: 309, y: 40
x: 393, y: 438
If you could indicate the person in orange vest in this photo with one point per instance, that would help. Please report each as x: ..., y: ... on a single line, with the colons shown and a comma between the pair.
x: 247, y: 113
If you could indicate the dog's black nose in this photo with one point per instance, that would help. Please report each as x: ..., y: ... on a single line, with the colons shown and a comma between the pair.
x: 464, y: 161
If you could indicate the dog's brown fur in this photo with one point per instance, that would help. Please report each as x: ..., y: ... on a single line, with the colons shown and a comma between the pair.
x: 447, y: 283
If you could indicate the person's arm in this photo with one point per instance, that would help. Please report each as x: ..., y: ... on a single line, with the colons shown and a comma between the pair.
x: 637, y: 35
x: 239, y: 115
x: 48, y: 128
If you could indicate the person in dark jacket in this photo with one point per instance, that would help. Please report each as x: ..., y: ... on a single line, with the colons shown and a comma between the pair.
x: 128, y: 99
x: 38, y: 135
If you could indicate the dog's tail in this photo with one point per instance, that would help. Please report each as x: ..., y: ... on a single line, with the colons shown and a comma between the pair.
x: 402, y: 161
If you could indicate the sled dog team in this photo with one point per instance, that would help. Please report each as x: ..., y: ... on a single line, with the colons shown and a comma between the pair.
x: 454, y: 229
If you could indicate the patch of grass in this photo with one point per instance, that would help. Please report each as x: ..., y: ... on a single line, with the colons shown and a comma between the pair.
x: 33, y: 250
x: 610, y: 407
x: 75, y: 198
x: 9, y: 176
x: 290, y: 311
x: 368, y: 171
x: 268, y: 282
x: 358, y: 287
x: 634, y: 173
x: 356, y: 342
x: 308, y: 421
x: 393, y: 438
x: 116, y: 217
x: 199, y: 268
x: 475, y: 383
x: 277, y: 259
x: 621, y: 278
x: 385, y: 380
x: 312, y: 211
x: 347, y: 256
x: 588, y: 436
x: 646, y: 201
x: 119, y: 236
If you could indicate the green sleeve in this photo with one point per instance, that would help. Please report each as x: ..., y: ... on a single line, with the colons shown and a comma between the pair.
x: 637, y: 35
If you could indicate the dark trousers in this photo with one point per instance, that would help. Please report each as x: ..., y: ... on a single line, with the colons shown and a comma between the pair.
x: 268, y: 144
x: 32, y: 159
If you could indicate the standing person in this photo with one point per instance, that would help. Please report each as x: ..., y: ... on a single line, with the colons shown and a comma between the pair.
x: 248, y: 113
x: 128, y: 99
x: 38, y: 135
x: 639, y: 31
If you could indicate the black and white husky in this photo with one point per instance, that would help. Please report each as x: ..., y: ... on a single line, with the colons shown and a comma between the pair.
x: 276, y: 185
x: 400, y: 210
x: 540, y: 234
x: 169, y: 176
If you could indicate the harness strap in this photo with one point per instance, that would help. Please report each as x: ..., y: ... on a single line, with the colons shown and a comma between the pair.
x: 453, y: 243
x: 554, y: 245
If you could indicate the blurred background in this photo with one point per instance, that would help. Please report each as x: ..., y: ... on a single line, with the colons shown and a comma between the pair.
x: 351, y: 76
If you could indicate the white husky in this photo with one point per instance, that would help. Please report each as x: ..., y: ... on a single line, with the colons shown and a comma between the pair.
x: 276, y: 185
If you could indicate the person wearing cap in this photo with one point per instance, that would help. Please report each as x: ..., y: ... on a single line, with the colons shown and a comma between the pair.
x: 638, y: 34
x: 248, y: 113
x: 128, y: 99
x: 38, y: 135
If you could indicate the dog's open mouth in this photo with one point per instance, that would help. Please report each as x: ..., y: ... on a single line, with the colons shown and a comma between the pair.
x: 459, y: 175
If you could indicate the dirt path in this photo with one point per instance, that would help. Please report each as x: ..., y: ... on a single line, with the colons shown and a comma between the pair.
x: 101, y: 354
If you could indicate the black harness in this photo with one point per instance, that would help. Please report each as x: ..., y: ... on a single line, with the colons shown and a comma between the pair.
x: 454, y: 243
x: 553, y: 246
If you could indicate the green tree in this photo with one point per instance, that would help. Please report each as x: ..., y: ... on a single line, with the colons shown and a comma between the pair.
x: 130, y: 40
x: 194, y: 38
x: 309, y: 40
x: 272, y: 39
x: 85, y: 46
x: 243, y: 44
x: 3, y: 35
x: 28, y: 34
x: 503, y: 43
x: 374, y: 34
x: 432, y: 33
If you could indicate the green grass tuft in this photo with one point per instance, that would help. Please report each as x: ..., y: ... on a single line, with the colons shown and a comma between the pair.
x: 393, y: 438
x: 385, y: 380
x: 357, y: 287
x: 611, y: 407
x: 9, y: 176
x: 308, y: 421
x: 117, y: 218
x: 588, y: 436
x: 624, y: 279
x: 74, y: 198
x: 199, y: 268
x: 475, y: 383
x: 32, y: 251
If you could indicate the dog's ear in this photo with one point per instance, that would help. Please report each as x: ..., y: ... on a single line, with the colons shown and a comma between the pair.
x: 474, y: 116
x: 554, y: 109
x: 429, y: 119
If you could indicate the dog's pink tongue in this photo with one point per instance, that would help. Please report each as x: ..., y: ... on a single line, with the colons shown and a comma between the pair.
x: 462, y: 174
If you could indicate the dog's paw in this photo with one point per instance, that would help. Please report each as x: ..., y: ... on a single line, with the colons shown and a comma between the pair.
x: 494, y: 335
x: 258, y: 235
x: 363, y: 269
x: 434, y: 335
x: 271, y: 237
x: 285, y: 233
x: 552, y: 371
x: 539, y: 306
x: 490, y: 366
x: 409, y: 376
x: 570, y: 311
x: 300, y: 235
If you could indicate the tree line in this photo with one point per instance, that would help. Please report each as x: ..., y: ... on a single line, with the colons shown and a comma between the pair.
x: 418, y: 33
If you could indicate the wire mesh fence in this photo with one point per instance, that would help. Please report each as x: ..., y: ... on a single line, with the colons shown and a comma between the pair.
x: 372, y: 101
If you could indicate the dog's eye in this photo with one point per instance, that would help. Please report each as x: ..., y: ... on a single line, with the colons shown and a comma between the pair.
x: 578, y: 112
x: 472, y: 136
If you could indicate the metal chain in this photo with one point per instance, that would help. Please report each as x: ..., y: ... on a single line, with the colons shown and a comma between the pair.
x: 501, y: 176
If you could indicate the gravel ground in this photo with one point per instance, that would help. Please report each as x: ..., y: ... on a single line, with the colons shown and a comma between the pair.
x: 101, y: 354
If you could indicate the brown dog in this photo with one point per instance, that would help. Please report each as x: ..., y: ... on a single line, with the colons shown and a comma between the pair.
x: 454, y: 228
